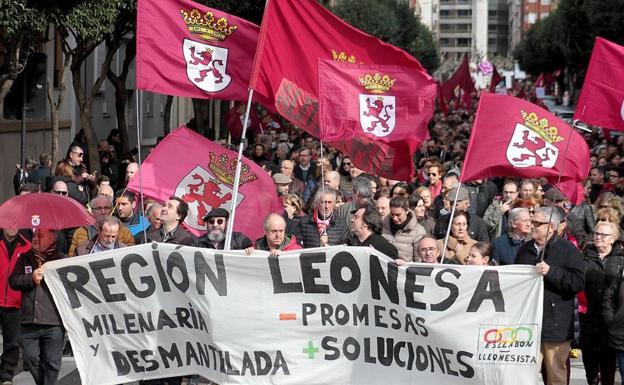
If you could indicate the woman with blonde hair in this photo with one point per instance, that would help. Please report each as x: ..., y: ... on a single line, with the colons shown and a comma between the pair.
x: 64, y: 172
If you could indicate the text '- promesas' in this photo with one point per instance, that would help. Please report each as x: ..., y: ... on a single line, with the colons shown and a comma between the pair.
x: 172, y: 273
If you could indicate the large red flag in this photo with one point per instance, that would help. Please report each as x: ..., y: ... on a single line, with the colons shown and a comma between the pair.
x: 513, y: 137
x: 294, y: 35
x: 380, y: 102
x: 187, y: 49
x: 602, y: 98
x: 461, y: 82
x: 201, y: 173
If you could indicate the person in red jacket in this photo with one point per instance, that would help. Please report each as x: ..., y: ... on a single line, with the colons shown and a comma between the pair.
x: 12, y: 245
x: 275, y: 239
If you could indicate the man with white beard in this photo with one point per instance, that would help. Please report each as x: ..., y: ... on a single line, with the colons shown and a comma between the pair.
x: 216, y: 223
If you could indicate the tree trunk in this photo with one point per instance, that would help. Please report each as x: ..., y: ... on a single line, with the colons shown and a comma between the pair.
x: 5, y: 86
x: 121, y: 96
x: 167, y: 115
x: 14, y: 69
x: 55, y: 108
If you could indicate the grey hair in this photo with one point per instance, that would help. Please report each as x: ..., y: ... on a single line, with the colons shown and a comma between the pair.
x: 515, y: 213
x: 362, y: 187
x: 101, y: 197
x: 283, y: 146
x: 268, y: 218
x: 108, y: 220
x: 324, y: 191
x: 551, y: 214
x: 153, y: 207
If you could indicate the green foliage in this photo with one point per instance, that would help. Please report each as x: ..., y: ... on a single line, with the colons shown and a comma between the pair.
x: 88, y: 20
x: 566, y: 37
x: 17, y: 18
x: 393, y: 22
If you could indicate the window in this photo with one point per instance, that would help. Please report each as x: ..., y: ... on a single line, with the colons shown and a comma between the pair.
x: 531, y: 18
x: 464, y: 12
x: 445, y: 42
x: 545, y: 2
x: 463, y: 27
x: 544, y: 15
x: 463, y: 42
x: 445, y: 13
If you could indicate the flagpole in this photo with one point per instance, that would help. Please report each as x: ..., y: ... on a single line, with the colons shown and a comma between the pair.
x: 138, y: 130
x: 450, y: 222
x: 560, y: 174
x: 230, y: 223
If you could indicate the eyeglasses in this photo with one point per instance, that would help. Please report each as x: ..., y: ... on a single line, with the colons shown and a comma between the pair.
x: 102, y: 208
x: 427, y: 250
x: 346, y: 164
x: 531, y: 212
x: 219, y: 221
x: 58, y: 192
x: 538, y: 223
x: 79, y: 154
x: 601, y: 235
x: 432, y: 174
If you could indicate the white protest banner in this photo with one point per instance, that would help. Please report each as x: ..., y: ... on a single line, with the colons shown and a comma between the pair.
x: 338, y: 315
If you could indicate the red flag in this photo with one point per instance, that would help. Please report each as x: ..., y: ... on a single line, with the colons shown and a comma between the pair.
x: 513, y: 137
x: 235, y: 117
x: 187, y: 49
x: 539, y: 82
x: 442, y: 106
x: 602, y: 98
x: 380, y: 102
x: 293, y: 37
x: 496, y: 78
x: 462, y: 79
x: 201, y: 173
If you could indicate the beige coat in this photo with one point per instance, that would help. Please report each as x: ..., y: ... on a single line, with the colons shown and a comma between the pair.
x: 456, y: 250
x: 405, y: 240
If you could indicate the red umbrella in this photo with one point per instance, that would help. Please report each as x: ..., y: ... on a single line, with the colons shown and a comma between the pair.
x: 43, y: 210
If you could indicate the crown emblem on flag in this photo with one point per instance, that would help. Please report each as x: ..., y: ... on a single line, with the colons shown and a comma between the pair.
x: 343, y: 57
x: 377, y: 84
x: 224, y: 169
x: 540, y: 127
x: 207, y: 27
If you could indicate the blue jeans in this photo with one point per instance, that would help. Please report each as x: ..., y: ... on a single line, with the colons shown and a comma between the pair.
x: 42, y: 350
x: 619, y: 354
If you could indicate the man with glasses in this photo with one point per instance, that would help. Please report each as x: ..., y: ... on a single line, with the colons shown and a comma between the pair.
x: 83, y: 179
x: 101, y: 207
x: 296, y: 186
x: 428, y: 251
x: 216, y: 225
x: 59, y: 188
x: 434, y: 174
x: 563, y: 269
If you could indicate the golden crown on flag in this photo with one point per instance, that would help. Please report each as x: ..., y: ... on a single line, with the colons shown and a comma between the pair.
x: 377, y: 84
x: 540, y: 126
x: 343, y: 57
x: 224, y: 169
x: 207, y: 27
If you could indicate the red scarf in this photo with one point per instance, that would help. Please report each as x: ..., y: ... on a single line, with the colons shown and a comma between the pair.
x: 321, y: 224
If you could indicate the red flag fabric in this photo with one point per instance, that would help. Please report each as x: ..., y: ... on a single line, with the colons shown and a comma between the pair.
x: 441, y: 102
x: 386, y: 103
x: 602, y: 98
x: 294, y: 35
x: 462, y: 79
x: 513, y: 137
x: 187, y: 49
x: 201, y: 173
x: 496, y: 78
x: 235, y: 117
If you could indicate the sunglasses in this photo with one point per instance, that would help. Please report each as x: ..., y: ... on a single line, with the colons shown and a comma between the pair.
x: 538, y: 223
x: 219, y: 221
x: 346, y: 164
x: 57, y: 192
x: 432, y: 174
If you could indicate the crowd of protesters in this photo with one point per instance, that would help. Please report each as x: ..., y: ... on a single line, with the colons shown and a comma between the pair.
x: 328, y: 201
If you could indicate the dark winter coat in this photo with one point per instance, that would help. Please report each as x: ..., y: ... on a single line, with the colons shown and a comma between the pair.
x: 308, y: 235
x: 613, y: 313
x: 37, y: 304
x: 598, y: 276
x: 565, y: 278
x: 239, y: 242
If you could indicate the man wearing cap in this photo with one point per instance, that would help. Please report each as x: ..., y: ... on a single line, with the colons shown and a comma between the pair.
x: 275, y: 239
x: 172, y: 215
x: 366, y: 228
x: 476, y: 229
x: 282, y: 183
x: 216, y: 225
x: 573, y: 225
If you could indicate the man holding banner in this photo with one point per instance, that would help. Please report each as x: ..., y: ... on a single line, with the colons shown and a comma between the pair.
x: 563, y: 268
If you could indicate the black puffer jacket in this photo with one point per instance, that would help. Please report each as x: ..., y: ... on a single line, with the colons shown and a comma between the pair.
x: 565, y: 278
x: 598, y: 276
x: 308, y: 235
x: 613, y: 312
